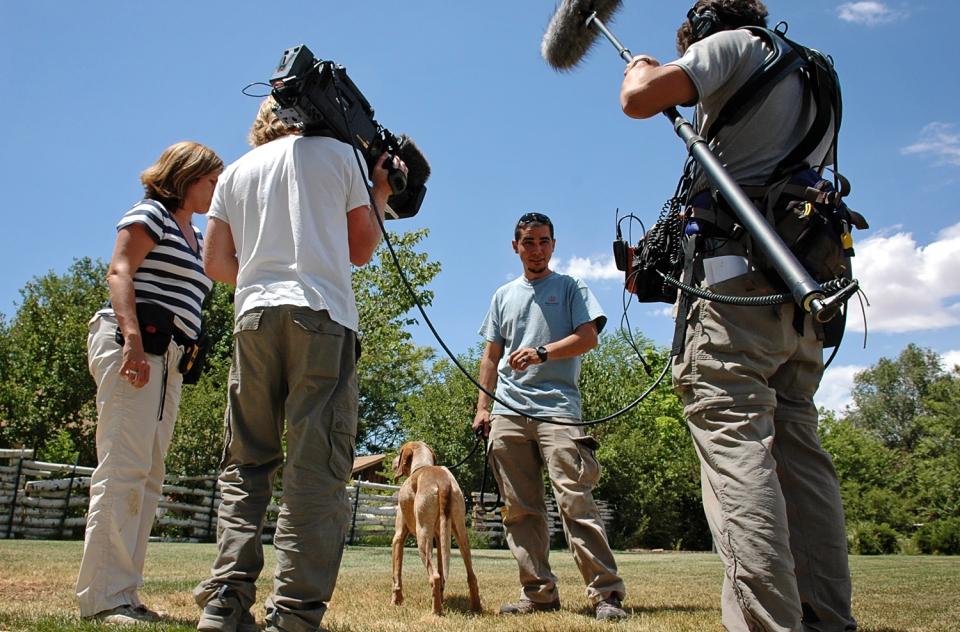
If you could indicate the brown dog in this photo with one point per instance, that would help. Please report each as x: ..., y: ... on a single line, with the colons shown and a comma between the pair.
x: 431, y: 506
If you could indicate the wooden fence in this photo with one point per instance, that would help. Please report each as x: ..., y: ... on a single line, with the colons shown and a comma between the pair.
x: 41, y: 500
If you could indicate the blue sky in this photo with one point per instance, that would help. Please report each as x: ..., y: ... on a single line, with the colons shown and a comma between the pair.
x: 95, y: 91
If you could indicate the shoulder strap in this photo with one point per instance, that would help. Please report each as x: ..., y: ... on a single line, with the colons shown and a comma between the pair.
x: 780, y: 62
x: 824, y: 86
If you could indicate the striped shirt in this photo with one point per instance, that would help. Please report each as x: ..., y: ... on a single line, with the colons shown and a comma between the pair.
x: 171, y: 274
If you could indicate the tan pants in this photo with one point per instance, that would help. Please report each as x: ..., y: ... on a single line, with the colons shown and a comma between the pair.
x: 770, y: 493
x: 293, y: 365
x: 132, y: 442
x: 519, y: 449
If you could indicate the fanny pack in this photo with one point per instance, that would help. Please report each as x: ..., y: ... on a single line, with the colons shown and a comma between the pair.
x: 156, y: 328
x: 156, y: 332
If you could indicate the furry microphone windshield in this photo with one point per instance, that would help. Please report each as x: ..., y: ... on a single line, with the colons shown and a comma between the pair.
x: 568, y: 38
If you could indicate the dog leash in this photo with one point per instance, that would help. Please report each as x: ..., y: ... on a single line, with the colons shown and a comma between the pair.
x: 486, y: 463
x: 472, y: 452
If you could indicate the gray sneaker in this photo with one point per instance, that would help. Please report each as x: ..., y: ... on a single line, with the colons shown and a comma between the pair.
x: 525, y: 606
x: 124, y: 615
x: 610, y: 609
x: 223, y: 613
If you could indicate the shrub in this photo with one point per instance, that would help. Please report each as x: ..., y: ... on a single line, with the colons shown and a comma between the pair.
x: 870, y: 538
x: 941, y: 536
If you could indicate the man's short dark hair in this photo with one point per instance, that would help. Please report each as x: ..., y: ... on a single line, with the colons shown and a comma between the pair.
x: 732, y: 14
x: 532, y: 219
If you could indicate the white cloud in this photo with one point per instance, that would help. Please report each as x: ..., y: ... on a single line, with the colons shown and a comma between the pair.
x: 589, y: 268
x: 910, y: 287
x: 940, y: 140
x: 836, y: 386
x: 869, y: 12
x: 951, y: 359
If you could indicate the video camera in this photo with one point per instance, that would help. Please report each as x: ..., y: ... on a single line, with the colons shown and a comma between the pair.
x: 320, y: 98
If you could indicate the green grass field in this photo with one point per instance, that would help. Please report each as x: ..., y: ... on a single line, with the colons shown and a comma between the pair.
x: 669, y: 592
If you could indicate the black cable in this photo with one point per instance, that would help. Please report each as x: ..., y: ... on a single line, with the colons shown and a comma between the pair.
x: 472, y: 452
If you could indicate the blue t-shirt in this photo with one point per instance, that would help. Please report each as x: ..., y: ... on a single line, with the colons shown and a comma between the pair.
x: 526, y: 313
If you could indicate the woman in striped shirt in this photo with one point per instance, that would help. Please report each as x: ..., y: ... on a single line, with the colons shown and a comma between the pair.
x: 134, y: 349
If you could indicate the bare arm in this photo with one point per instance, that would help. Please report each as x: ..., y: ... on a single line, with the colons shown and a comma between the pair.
x: 488, y: 380
x: 649, y: 88
x: 363, y: 230
x: 583, y: 339
x: 220, y: 253
x: 132, y: 246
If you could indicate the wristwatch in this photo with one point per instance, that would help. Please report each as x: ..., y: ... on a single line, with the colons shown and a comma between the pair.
x: 542, y: 353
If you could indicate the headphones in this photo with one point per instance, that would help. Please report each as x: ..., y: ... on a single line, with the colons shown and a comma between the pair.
x: 703, y: 24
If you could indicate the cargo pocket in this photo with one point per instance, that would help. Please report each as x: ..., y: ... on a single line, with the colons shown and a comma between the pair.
x: 249, y: 321
x: 589, y: 465
x: 343, y: 440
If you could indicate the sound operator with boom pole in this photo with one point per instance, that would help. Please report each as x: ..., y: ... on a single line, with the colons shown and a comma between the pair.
x: 747, y: 375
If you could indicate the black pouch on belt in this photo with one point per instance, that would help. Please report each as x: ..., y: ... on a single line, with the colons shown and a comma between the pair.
x: 156, y: 328
x: 193, y: 359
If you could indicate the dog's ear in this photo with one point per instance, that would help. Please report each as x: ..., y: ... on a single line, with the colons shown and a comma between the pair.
x: 433, y: 455
x: 401, y: 464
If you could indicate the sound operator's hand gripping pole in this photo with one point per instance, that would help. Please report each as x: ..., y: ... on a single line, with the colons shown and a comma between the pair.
x: 805, y: 290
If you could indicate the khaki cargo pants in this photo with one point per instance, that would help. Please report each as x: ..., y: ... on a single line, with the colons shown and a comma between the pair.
x: 519, y: 449
x: 770, y: 493
x: 294, y: 364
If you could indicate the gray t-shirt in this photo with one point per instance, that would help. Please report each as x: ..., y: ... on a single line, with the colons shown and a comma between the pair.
x: 527, y: 313
x: 752, y: 147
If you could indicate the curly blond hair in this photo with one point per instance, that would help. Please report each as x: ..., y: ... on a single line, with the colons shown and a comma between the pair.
x: 267, y: 126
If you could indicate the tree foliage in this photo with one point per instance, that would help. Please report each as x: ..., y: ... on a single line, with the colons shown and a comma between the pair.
x: 46, y: 386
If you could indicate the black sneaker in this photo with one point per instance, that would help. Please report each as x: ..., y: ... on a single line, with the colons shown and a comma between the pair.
x: 525, y: 606
x: 223, y: 613
x: 610, y: 609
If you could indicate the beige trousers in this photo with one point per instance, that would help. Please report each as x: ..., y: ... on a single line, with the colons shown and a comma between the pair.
x: 519, y: 449
x: 134, y: 429
x: 770, y: 493
x: 293, y: 370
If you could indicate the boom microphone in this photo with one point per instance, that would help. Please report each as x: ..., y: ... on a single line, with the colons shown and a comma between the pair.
x: 569, y: 37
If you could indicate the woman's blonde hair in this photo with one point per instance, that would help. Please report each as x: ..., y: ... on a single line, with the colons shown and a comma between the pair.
x: 179, y: 166
x: 267, y: 126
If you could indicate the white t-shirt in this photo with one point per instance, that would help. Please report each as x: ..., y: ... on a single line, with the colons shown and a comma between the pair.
x: 752, y: 147
x: 286, y: 203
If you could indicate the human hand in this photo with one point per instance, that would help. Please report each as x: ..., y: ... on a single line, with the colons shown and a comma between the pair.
x: 481, y: 422
x: 382, y: 170
x: 640, y: 59
x: 134, y: 366
x: 522, y: 359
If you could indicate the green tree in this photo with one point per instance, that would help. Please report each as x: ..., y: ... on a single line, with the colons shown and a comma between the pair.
x: 891, y: 395
x: 391, y: 366
x: 46, y: 384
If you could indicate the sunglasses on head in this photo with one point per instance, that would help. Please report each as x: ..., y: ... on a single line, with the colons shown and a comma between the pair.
x: 537, y: 218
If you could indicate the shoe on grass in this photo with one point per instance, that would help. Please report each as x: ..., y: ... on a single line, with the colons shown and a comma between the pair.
x: 610, y: 609
x: 223, y: 613
x: 525, y: 606
x: 124, y: 615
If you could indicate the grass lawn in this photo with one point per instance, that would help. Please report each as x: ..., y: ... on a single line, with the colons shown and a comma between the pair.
x: 670, y: 592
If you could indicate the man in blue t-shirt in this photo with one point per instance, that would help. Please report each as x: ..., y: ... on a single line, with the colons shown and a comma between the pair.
x: 536, y: 329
